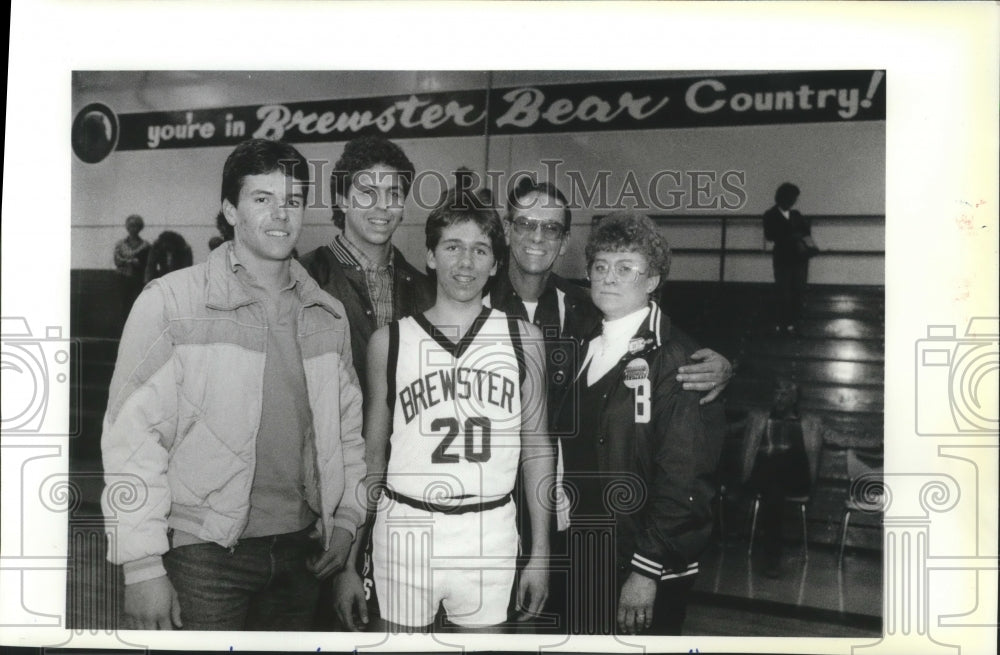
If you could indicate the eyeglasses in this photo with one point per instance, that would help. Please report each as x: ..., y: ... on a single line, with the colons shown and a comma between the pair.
x: 624, y: 271
x: 550, y: 229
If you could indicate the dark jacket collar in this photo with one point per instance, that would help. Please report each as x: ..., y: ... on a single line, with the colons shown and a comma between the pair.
x: 348, y: 254
x: 654, y: 331
x: 398, y: 264
x: 502, y: 292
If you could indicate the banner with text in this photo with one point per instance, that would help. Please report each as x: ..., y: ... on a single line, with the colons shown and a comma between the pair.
x: 702, y: 101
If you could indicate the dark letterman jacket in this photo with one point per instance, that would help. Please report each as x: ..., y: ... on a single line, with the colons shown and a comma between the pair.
x: 343, y: 279
x: 671, y: 458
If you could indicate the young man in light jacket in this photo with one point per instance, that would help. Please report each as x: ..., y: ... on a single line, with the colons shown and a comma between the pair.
x: 235, y: 404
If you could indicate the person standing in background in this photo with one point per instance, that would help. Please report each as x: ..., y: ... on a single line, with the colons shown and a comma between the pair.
x: 793, y: 246
x: 130, y: 257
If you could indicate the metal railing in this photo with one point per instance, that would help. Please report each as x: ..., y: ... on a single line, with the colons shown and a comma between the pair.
x: 725, y: 221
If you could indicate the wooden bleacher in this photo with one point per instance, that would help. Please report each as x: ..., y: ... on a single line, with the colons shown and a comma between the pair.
x: 96, y: 320
x: 837, y: 358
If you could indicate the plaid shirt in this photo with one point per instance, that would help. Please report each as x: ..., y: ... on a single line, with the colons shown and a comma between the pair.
x: 124, y: 254
x: 378, y: 279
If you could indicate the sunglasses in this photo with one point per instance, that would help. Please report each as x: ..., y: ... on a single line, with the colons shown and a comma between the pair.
x: 550, y: 229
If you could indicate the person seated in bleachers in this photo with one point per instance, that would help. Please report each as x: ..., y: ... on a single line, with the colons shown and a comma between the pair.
x: 776, y: 465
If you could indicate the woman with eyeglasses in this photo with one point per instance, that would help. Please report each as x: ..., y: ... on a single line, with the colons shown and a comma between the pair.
x: 642, y: 451
x: 537, y: 228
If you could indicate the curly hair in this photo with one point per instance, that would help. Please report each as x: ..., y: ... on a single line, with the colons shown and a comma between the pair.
x: 360, y: 154
x: 135, y: 219
x: 630, y: 232
x: 170, y: 252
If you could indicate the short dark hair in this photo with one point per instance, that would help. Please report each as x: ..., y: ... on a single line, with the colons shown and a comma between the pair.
x: 135, y: 218
x: 527, y: 185
x: 360, y: 154
x: 260, y: 157
x: 630, y: 232
x: 459, y: 206
x: 786, y: 192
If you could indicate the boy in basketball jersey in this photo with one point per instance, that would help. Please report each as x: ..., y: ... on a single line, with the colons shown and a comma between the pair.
x: 455, y: 405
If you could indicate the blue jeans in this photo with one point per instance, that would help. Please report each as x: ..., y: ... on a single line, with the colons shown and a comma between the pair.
x: 262, y: 584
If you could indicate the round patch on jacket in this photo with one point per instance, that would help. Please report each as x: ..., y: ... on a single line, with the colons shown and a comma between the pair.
x: 635, y: 372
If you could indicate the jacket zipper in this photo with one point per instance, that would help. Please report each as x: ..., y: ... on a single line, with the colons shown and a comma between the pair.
x: 256, y: 433
x: 315, y: 445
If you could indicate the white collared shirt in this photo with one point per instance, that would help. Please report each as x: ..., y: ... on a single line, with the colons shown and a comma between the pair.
x: 605, y: 351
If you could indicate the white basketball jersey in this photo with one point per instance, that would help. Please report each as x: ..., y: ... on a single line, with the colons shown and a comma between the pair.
x: 456, y: 427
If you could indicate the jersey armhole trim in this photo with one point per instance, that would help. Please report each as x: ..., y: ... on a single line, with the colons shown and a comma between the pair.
x: 390, y: 366
x: 515, y: 340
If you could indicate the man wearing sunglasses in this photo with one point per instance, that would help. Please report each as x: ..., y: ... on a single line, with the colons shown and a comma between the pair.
x: 537, y: 228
